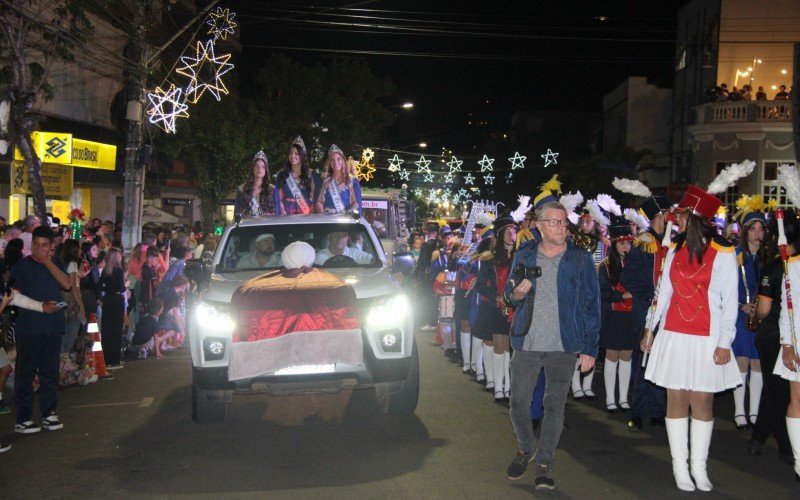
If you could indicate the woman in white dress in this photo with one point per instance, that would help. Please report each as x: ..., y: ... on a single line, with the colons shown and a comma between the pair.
x: 691, y: 355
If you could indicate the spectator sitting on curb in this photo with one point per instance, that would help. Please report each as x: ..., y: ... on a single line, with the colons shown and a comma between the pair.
x: 146, y: 339
x: 170, y: 323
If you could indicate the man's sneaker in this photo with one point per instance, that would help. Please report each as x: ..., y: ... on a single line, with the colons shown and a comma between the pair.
x: 4, y: 447
x: 4, y: 410
x: 27, y: 428
x: 519, y: 465
x: 52, y: 423
x: 544, y: 478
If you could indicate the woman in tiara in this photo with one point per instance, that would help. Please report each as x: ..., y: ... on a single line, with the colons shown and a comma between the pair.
x: 296, y: 186
x: 338, y: 194
x: 255, y: 197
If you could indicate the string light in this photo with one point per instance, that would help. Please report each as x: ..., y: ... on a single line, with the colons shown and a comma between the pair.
x: 517, y: 161
x: 488, y: 179
x: 455, y: 165
x: 486, y: 163
x: 404, y: 174
x: 469, y: 178
x: 550, y: 158
x: 204, y: 59
x: 221, y: 22
x: 448, y: 179
x: 423, y: 165
x: 394, y: 163
x: 428, y: 177
x: 166, y: 107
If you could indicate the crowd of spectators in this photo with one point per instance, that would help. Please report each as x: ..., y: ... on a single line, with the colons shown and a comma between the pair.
x: 720, y: 93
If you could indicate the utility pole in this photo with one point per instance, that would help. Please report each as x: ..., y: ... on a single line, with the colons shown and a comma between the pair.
x: 133, y: 196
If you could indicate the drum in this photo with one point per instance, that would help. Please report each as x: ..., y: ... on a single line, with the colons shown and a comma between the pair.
x: 447, y: 306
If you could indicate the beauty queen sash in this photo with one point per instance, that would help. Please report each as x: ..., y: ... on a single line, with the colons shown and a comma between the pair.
x: 297, y: 194
x: 336, y: 196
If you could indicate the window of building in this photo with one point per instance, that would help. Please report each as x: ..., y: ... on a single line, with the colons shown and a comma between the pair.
x: 770, y: 187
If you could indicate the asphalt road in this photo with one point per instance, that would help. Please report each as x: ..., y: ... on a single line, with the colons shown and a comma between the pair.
x: 133, y: 437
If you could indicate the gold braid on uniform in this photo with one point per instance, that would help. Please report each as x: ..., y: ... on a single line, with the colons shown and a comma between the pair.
x: 524, y: 235
x: 647, y: 243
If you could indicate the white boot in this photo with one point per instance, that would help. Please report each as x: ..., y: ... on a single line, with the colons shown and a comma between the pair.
x: 624, y: 383
x: 701, y: 440
x: 506, y: 375
x: 497, y: 372
x: 587, y: 384
x: 793, y: 427
x: 477, y: 358
x: 466, y: 343
x: 577, y: 391
x: 678, y: 436
x: 739, y: 414
x: 756, y: 384
x: 610, y: 379
x: 488, y: 367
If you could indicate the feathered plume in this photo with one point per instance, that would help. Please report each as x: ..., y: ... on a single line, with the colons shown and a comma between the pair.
x: 596, y: 212
x: 730, y: 175
x: 640, y: 220
x: 485, y: 218
x: 609, y: 204
x: 790, y: 179
x: 552, y: 185
x: 632, y: 186
x: 519, y: 214
x: 571, y: 201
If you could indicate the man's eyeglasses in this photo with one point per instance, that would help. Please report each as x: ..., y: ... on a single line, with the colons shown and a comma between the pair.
x: 555, y: 222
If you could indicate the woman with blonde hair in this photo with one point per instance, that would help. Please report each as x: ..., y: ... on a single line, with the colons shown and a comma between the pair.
x: 338, y: 194
x: 112, y: 289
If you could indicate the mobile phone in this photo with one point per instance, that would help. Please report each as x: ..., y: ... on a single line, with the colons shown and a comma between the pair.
x: 61, y: 305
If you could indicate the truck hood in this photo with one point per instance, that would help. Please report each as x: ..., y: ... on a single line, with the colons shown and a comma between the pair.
x: 367, y: 283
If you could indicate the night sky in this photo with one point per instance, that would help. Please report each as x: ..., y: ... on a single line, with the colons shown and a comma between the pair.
x: 493, y: 58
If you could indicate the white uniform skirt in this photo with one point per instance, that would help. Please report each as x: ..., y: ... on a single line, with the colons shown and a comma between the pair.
x: 681, y: 361
x: 783, y: 372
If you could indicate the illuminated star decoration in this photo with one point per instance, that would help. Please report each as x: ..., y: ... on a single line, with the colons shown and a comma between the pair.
x: 418, y: 192
x: 463, y: 193
x: 221, y: 22
x: 204, y: 61
x: 509, y: 178
x: 455, y: 165
x: 367, y: 155
x: 432, y: 195
x: 422, y: 165
x: 428, y: 177
x: 165, y: 107
x: 476, y: 190
x: 550, y: 158
x: 394, y: 163
x: 404, y: 174
x: 486, y: 163
x: 469, y: 178
x: 365, y: 171
x: 517, y: 161
x: 488, y: 179
x: 448, y: 179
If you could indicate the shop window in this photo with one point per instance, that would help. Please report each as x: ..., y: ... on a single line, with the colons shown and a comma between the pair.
x: 770, y: 188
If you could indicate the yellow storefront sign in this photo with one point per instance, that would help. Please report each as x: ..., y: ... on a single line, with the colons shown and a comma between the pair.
x: 88, y: 154
x: 56, y: 179
x: 50, y: 147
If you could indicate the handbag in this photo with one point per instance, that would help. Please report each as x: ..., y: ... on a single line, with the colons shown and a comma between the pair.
x: 73, y: 309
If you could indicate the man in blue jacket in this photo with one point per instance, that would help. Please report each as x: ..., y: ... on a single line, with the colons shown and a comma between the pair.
x: 545, y: 340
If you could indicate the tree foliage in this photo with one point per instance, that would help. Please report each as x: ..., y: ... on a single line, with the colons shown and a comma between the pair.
x: 34, y: 37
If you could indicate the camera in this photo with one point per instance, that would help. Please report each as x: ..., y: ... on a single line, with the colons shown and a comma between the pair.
x: 521, y: 272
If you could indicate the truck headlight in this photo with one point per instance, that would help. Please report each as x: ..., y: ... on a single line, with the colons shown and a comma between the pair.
x: 214, y: 317
x: 390, y: 311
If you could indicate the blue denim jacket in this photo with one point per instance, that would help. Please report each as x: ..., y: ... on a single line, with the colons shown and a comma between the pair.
x: 578, y: 300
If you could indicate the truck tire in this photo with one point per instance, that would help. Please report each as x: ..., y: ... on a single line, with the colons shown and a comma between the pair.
x: 400, y: 398
x: 204, y: 410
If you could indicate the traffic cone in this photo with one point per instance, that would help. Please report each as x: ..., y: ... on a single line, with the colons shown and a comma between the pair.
x: 97, y: 348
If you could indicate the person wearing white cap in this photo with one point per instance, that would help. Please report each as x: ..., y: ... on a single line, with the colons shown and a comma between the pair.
x: 262, y: 256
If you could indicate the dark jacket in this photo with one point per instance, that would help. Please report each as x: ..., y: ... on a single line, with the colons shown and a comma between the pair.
x: 578, y: 300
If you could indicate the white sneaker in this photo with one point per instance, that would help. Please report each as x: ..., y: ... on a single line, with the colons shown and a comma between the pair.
x: 27, y: 428
x: 52, y: 423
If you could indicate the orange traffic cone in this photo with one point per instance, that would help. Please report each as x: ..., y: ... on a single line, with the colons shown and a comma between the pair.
x: 97, y: 348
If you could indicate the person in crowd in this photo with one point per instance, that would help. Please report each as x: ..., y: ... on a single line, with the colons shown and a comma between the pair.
x: 735, y: 95
x: 149, y: 278
x: 181, y: 255
x: 378, y: 226
x: 139, y: 256
x: 145, y: 335
x: 171, y: 321
x: 640, y: 277
x: 12, y: 232
x: 782, y: 95
x: 494, y: 315
x: 473, y: 298
x: 422, y: 282
x: 75, y: 313
x: 38, y: 333
x: 760, y: 94
x: 90, y: 282
x: 14, y: 252
x: 747, y: 92
x: 162, y: 240
x: 262, y: 256
x: 417, y: 240
x: 30, y: 223
x: 616, y: 334
x: 256, y: 196
x: 750, y: 259
x: 337, y: 195
x: 775, y: 396
x: 466, y: 263
x: 112, y: 288
x: 296, y: 186
x: 76, y: 367
x: 337, y: 245
x: 691, y: 355
x: 549, y: 333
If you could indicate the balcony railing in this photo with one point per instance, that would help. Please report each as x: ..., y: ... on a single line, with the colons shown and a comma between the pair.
x: 744, y: 111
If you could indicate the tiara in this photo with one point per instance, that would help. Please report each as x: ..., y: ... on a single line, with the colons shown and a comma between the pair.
x: 261, y: 156
x: 335, y: 149
x: 299, y: 142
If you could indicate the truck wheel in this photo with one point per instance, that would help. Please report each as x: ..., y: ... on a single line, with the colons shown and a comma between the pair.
x: 204, y: 410
x: 400, y: 398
